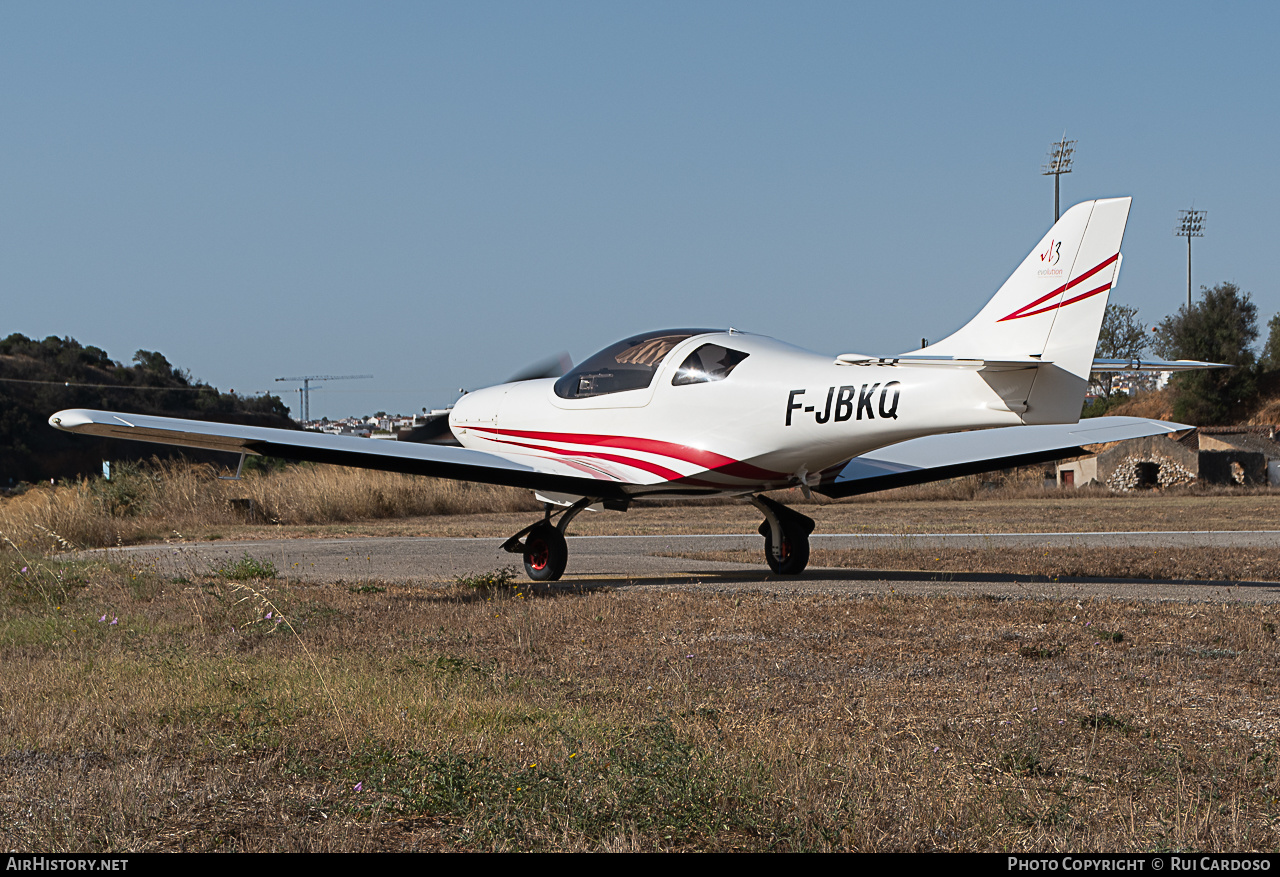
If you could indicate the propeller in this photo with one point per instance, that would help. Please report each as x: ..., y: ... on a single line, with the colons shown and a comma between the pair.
x: 549, y: 367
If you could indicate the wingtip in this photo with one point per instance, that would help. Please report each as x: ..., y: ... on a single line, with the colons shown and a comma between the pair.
x: 70, y: 419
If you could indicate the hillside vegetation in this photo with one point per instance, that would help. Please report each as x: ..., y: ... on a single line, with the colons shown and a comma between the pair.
x: 1261, y: 407
x: 38, y: 378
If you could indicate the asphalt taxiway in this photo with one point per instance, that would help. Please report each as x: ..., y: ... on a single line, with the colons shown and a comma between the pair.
x: 644, y: 561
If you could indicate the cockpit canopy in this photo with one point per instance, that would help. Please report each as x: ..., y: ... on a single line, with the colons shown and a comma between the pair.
x: 710, y: 362
x: 630, y: 365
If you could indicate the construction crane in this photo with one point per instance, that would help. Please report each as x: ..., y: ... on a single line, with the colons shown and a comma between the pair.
x: 306, y: 388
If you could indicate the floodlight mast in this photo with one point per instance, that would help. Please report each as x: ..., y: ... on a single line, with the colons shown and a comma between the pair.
x: 1190, y: 225
x: 1059, y: 164
x: 306, y: 388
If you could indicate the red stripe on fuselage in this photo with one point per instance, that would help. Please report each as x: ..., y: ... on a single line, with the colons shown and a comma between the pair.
x: 561, y: 453
x: 593, y: 471
x: 709, y: 460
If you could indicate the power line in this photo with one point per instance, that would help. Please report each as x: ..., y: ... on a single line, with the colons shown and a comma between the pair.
x: 111, y: 386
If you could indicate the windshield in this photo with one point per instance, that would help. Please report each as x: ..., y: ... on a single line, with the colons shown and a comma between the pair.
x: 628, y: 365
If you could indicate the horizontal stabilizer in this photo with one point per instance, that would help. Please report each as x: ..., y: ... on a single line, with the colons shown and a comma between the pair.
x: 959, y: 362
x: 938, y: 457
x: 1153, y: 365
x: 965, y: 362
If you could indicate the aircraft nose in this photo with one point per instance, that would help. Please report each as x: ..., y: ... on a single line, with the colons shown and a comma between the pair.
x: 474, y: 409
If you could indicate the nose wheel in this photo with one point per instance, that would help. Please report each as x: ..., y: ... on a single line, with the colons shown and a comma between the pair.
x: 545, y: 553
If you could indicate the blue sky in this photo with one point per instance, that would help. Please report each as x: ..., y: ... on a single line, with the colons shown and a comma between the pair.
x: 441, y: 193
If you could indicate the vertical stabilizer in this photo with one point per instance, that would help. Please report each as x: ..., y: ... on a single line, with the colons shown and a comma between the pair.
x: 1051, y: 309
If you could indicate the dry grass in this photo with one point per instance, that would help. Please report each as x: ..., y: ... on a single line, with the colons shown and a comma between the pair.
x: 154, y: 502
x: 150, y: 502
x: 144, y: 712
x: 148, y: 714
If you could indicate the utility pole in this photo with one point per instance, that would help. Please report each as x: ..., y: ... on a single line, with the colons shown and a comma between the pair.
x: 1190, y: 225
x: 306, y: 388
x: 1059, y: 164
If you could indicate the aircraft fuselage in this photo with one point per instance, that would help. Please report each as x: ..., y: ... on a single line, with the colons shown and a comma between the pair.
x: 781, y: 417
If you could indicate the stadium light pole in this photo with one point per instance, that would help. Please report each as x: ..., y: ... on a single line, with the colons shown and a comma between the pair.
x: 1190, y: 225
x: 1059, y: 164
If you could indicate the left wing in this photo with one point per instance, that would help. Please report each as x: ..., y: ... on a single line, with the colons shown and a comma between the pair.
x: 441, y: 461
x: 936, y: 457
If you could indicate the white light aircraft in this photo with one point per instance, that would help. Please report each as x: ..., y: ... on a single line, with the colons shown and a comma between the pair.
x: 698, y: 412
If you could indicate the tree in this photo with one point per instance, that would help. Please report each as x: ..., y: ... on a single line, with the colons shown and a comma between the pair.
x: 1222, y: 327
x: 1123, y: 336
x: 1270, y: 359
x: 153, y: 361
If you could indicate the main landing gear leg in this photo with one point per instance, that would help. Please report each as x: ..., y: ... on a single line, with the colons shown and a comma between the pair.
x: 786, y: 536
x: 546, y: 553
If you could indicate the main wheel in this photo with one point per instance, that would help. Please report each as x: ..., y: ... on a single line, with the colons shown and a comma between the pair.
x: 795, y: 551
x: 545, y: 553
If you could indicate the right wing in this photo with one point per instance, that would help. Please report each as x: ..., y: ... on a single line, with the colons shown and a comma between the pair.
x: 440, y: 461
x: 937, y: 457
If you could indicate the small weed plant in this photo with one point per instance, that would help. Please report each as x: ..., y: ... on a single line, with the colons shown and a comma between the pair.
x: 246, y: 568
x: 497, y: 580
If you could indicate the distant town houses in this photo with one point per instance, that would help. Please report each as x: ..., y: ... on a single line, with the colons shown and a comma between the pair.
x: 386, y: 426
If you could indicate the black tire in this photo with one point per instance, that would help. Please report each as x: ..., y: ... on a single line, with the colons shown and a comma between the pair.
x: 545, y: 553
x: 795, y: 551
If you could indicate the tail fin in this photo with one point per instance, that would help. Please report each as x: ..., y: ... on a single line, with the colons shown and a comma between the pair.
x: 1051, y: 310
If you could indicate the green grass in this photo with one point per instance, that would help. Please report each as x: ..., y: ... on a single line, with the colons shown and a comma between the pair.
x: 245, y: 569
x: 650, y: 780
x: 500, y: 579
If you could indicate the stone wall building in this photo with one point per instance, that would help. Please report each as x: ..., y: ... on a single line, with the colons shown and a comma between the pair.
x: 1216, y: 457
